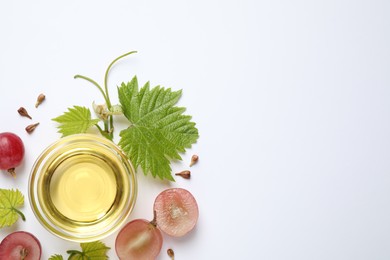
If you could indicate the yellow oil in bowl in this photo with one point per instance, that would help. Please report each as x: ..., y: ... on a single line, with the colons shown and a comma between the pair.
x: 82, y: 188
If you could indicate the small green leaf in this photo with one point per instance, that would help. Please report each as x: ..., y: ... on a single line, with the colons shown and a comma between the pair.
x: 56, y: 257
x: 10, y: 200
x: 90, y: 251
x: 75, y: 121
x: 159, y: 131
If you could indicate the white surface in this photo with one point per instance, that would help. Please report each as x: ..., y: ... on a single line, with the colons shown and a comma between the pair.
x: 291, y: 99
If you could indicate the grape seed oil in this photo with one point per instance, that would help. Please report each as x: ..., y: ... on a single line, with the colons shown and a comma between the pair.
x: 83, y: 188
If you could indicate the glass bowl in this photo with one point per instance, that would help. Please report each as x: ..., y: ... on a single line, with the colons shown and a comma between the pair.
x: 82, y: 188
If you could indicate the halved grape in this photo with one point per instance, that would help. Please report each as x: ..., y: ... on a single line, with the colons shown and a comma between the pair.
x: 176, y: 211
x: 11, y: 151
x: 139, y: 239
x: 20, y: 245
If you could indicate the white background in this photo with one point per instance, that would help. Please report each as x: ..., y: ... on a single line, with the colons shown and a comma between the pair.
x: 291, y: 99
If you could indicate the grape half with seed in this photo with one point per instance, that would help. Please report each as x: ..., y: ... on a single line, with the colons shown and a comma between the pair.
x: 20, y: 245
x: 176, y: 211
x: 139, y: 239
x: 11, y: 152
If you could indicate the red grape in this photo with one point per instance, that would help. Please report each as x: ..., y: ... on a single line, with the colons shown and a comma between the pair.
x: 139, y: 239
x: 11, y: 151
x: 20, y: 245
x: 176, y: 211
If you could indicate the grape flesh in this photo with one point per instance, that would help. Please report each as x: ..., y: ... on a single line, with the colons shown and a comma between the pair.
x: 176, y: 211
x: 20, y: 245
x: 11, y: 151
x: 139, y: 239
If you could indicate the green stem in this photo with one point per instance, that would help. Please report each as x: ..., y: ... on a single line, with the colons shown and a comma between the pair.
x: 106, y: 75
x: 96, y: 84
x: 108, y: 124
x: 104, y: 133
x: 111, y: 134
x: 75, y: 252
x: 20, y: 213
x: 99, y: 128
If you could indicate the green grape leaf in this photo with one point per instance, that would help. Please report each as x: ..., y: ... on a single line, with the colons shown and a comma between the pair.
x: 159, y: 130
x: 10, y: 201
x: 75, y: 121
x: 90, y: 251
x: 56, y: 257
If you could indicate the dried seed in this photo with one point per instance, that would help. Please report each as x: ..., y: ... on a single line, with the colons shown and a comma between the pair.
x: 23, y: 112
x: 194, y: 159
x: 171, y: 253
x: 31, y: 128
x: 40, y: 99
x: 185, y: 174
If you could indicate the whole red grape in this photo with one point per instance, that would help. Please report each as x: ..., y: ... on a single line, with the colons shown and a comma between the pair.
x: 11, y: 151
